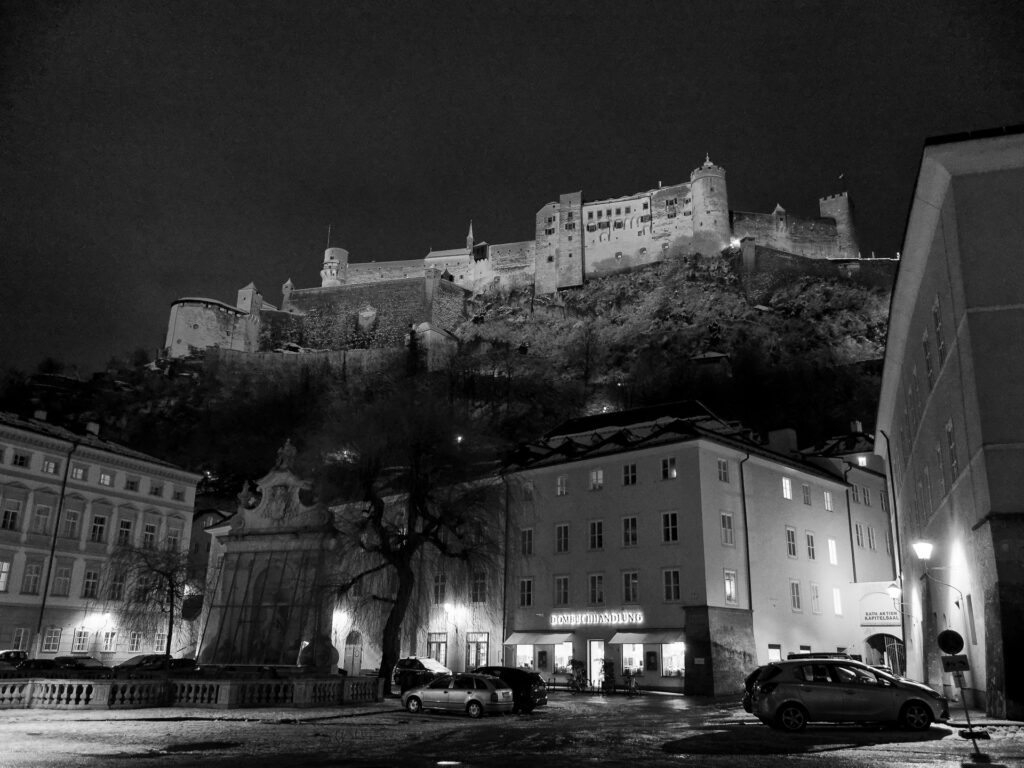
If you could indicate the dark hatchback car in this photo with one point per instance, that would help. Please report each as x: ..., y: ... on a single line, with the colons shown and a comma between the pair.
x: 528, y: 688
x: 748, y: 687
x: 414, y: 671
x: 82, y: 666
x: 36, y: 665
x: 150, y: 664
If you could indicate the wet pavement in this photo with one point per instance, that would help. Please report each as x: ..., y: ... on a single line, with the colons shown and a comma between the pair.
x: 651, y: 731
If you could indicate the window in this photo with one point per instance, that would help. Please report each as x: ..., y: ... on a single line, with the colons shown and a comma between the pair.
x: 815, y: 598
x: 41, y: 519
x: 124, y: 533
x: 728, y: 537
x: 156, y: 488
x: 476, y: 649
x: 629, y: 474
x: 134, y: 642
x: 596, y: 479
x: 671, y: 583
x: 596, y: 588
x: 730, y: 587
x: 629, y: 531
x: 787, y: 488
x: 630, y: 587
x: 149, y: 536
x: 858, y: 529
x: 668, y: 468
x: 790, y: 541
x: 794, y: 595
x: 810, y: 545
x: 61, y: 581
x: 90, y: 584
x: 19, y: 641
x: 51, y: 640
x: 79, y: 472
x: 837, y: 601
x: 80, y: 641
x: 954, y: 462
x: 669, y: 526
x: 723, y: 470
x: 888, y: 542
x: 596, y: 534
x: 69, y: 525
x: 970, y: 620
x: 5, y: 574
x: 871, y: 537
x: 178, y: 494
x: 833, y: 554
x: 829, y: 505
x: 862, y: 461
x: 561, y: 590
x: 855, y: 492
x: 940, y: 342
x: 440, y: 588
x: 11, y: 518
x: 20, y: 459
x: 865, y: 493
x: 437, y: 646
x: 116, y: 590
x: 526, y: 592
x: 807, y: 493
x: 562, y: 485
x: 160, y: 642
x: 774, y: 652
x: 173, y: 538
x: 562, y: 537
x: 106, y: 477
x: 109, y: 641
x: 98, y: 532
x: 526, y: 541
x: 51, y: 466
x: 30, y: 578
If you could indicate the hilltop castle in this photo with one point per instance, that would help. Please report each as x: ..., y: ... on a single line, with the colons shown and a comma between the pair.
x: 375, y: 304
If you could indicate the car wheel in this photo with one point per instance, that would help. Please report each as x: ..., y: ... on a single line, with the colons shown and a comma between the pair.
x: 791, y: 718
x: 474, y: 709
x: 915, y: 716
x: 414, y: 705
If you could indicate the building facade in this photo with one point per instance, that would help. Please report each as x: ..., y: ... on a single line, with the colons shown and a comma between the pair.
x: 951, y: 413
x: 675, y: 546
x: 67, y: 502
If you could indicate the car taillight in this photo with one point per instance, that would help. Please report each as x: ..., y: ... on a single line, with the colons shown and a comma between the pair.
x: 494, y: 697
x: 765, y: 688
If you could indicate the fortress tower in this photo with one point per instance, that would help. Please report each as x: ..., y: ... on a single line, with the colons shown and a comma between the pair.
x: 710, y: 208
x: 840, y: 208
x: 335, y: 268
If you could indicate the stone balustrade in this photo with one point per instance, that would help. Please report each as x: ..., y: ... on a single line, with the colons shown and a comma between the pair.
x: 188, y: 692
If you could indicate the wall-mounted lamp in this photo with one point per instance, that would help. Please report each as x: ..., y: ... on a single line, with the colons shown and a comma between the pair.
x: 923, y: 549
x: 894, y: 591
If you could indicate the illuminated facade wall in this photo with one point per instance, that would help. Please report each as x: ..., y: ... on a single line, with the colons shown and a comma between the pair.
x: 80, y: 497
x: 951, y: 408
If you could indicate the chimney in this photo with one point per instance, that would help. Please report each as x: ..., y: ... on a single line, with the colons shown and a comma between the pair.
x: 39, y: 415
x: 93, y: 428
x: 855, y: 426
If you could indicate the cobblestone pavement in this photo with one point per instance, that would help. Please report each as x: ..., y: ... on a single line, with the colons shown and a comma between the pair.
x: 651, y: 730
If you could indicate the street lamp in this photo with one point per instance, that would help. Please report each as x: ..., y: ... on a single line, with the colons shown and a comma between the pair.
x: 923, y: 550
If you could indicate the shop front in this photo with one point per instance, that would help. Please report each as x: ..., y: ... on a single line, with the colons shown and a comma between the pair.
x: 606, y: 642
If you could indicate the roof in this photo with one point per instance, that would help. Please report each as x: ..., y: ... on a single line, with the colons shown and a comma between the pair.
x: 844, y: 445
x: 203, y: 300
x: 622, y: 431
x: 88, y: 439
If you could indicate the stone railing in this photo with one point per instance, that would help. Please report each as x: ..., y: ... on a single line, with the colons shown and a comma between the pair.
x: 189, y: 692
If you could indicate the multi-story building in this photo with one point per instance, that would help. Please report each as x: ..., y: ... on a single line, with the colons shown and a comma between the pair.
x: 951, y: 413
x: 674, y: 545
x: 67, y: 502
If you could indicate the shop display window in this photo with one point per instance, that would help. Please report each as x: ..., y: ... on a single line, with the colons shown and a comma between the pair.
x: 632, y: 658
x: 563, y: 653
x: 524, y: 656
x: 673, y: 659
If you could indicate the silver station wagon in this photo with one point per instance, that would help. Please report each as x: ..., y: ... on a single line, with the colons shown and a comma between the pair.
x: 475, y: 695
x: 790, y: 694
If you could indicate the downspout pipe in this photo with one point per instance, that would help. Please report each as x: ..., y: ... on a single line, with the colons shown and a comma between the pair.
x: 849, y: 519
x: 897, y: 549
x: 53, y: 545
x: 746, y: 532
x: 504, y: 570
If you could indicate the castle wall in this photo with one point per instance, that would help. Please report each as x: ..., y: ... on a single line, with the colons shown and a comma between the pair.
x: 547, y: 224
x: 617, y: 234
x: 812, y: 238
x: 507, y: 266
x: 458, y: 262
x: 710, y: 209
x: 569, y: 251
x: 196, y: 324
x: 839, y: 208
x: 361, y: 273
x: 446, y: 307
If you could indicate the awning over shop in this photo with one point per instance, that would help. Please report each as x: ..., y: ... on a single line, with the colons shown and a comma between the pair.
x: 658, y: 636
x: 538, y: 638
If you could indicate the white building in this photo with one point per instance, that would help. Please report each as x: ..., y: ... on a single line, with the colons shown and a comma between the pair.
x: 66, y: 502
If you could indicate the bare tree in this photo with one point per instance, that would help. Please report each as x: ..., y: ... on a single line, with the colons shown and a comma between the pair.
x: 412, y: 494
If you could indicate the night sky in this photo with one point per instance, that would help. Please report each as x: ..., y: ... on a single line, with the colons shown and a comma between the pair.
x: 155, y: 150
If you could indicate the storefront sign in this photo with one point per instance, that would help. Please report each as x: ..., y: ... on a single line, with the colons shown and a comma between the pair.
x: 882, y: 618
x: 594, y: 617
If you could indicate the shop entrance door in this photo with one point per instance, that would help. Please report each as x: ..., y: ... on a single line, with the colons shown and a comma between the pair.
x: 595, y: 661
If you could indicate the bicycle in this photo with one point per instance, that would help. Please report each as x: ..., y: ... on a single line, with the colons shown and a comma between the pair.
x: 578, y: 678
x: 631, y: 686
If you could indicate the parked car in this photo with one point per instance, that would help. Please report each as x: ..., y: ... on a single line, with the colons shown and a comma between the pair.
x: 86, y: 666
x: 35, y: 665
x: 528, y: 688
x: 10, y: 659
x: 150, y: 663
x: 790, y: 694
x: 413, y: 671
x: 748, y: 687
x: 476, y: 695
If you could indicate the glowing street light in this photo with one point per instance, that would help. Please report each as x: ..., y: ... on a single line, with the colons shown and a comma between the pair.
x: 923, y: 549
